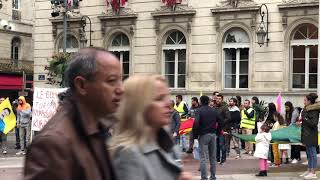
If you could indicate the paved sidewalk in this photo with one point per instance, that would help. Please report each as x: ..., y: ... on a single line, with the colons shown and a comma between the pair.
x: 11, y: 162
x: 271, y: 176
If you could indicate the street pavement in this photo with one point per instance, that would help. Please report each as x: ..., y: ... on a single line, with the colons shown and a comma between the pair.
x: 234, y: 169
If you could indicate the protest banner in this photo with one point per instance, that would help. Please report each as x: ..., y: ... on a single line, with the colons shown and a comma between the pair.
x: 7, y: 117
x: 45, y: 103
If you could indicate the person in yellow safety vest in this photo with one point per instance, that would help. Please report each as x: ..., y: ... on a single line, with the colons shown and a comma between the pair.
x: 248, y: 121
x: 181, y: 106
x: 182, y: 109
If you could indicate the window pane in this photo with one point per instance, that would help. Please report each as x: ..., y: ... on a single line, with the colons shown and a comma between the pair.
x: 117, y: 54
x: 243, y: 81
x: 182, y: 55
x: 181, y: 68
x: 169, y: 68
x: 126, y: 56
x: 298, y: 81
x: 181, y: 81
x: 312, y: 31
x: 230, y: 54
x: 244, y: 67
x: 170, y: 79
x: 230, y: 67
x: 244, y: 54
x: 181, y: 38
x: 298, y: 66
x: 169, y: 55
x: 313, y: 81
x: 298, y: 51
x: 125, y: 40
x: 16, y: 53
x: 230, y: 81
x: 313, y: 51
x: 301, y: 33
x: 125, y: 67
x: 313, y: 66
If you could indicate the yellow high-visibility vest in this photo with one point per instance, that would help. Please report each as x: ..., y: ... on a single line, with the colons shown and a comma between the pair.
x: 179, y: 108
x: 246, y: 122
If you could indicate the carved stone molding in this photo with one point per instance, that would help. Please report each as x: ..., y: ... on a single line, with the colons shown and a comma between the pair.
x: 59, y: 21
x: 180, y: 11
x: 227, y: 6
x: 288, y: 4
x: 125, y: 14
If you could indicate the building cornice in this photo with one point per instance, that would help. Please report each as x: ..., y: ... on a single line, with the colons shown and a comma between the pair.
x: 15, y: 32
x: 294, y: 4
x: 124, y: 14
x: 180, y: 10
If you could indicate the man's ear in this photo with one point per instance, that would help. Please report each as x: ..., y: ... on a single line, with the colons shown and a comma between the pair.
x: 80, y: 85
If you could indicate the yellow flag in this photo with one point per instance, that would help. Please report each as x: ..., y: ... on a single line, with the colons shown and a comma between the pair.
x: 7, y: 117
x: 200, y: 93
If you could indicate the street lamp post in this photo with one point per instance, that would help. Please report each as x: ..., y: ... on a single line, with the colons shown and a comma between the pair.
x: 263, y: 29
x: 84, y: 24
x: 65, y: 27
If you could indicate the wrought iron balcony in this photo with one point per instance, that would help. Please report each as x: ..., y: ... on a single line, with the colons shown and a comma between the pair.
x: 15, y: 66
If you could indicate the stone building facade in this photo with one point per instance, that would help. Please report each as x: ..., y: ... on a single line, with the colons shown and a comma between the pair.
x: 16, y: 47
x: 200, y: 46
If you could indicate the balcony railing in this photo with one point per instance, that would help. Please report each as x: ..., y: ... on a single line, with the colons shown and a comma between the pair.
x: 16, y: 66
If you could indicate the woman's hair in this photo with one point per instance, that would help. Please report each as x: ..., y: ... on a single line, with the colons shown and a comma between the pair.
x: 272, y: 107
x: 279, y: 117
x: 289, y: 104
x: 265, y: 127
x: 256, y: 99
x: 312, y: 97
x: 132, y: 127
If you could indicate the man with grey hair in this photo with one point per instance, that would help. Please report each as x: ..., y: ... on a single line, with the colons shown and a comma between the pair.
x: 72, y: 144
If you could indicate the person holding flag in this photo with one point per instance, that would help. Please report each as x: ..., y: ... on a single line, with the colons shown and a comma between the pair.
x: 182, y: 109
x: 7, y: 122
x: 248, y: 121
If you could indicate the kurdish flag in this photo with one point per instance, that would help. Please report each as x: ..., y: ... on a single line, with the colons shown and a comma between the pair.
x: 7, y: 117
x: 186, y: 126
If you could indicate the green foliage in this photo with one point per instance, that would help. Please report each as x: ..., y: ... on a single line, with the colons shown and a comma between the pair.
x: 261, y: 110
x: 56, y: 68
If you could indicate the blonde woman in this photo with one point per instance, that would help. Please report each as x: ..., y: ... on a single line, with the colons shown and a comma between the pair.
x: 143, y: 150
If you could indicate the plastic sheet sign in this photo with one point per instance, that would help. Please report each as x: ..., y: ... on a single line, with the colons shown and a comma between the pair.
x: 45, y: 104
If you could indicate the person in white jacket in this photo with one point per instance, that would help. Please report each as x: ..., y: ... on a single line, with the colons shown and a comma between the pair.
x: 263, y: 140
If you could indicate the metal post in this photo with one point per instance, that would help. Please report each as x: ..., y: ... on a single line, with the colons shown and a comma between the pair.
x: 65, y: 26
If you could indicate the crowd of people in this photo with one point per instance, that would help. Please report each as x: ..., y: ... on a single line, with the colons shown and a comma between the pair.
x: 22, y: 112
x: 105, y: 129
x: 216, y: 122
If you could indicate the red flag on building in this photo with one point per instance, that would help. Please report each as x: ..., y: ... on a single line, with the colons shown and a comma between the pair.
x: 186, y: 126
x: 116, y: 4
x: 171, y: 2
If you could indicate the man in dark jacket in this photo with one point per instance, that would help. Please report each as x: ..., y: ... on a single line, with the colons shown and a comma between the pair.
x: 223, y: 128
x: 235, y: 125
x: 71, y: 146
x: 205, y: 130
x: 192, y: 113
x: 175, y: 123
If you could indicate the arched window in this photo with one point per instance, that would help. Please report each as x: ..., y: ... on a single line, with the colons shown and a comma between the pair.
x: 236, y: 44
x: 72, y: 44
x: 174, y: 54
x: 304, y: 54
x: 120, y: 46
x: 15, y: 48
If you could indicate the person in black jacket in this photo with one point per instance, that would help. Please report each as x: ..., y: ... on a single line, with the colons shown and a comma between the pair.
x: 175, y: 123
x: 309, y: 133
x: 223, y: 127
x: 235, y: 126
x: 204, y: 129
